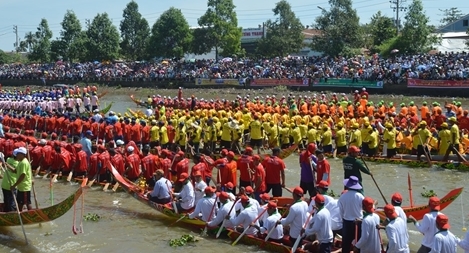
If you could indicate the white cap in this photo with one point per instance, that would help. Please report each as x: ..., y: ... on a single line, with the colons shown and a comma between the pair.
x: 21, y: 150
x: 120, y: 142
x: 15, y: 152
x: 43, y: 142
x: 130, y: 149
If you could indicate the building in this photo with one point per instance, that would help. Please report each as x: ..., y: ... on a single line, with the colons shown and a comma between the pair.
x: 453, y: 42
x: 460, y: 25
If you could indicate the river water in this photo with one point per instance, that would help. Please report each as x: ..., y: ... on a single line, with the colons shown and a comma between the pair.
x: 129, y: 226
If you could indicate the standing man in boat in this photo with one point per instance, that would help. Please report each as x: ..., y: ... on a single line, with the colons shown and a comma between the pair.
x: 8, y: 179
x: 427, y: 227
x: 161, y: 191
x: 308, y: 165
x: 350, y: 204
x: 86, y: 143
x: 353, y: 166
x: 186, y: 197
x: 454, y: 140
x: 297, y: 215
x: 24, y: 179
x: 275, y: 173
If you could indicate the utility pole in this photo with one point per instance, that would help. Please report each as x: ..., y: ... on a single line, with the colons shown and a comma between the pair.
x: 15, y: 30
x: 396, y: 6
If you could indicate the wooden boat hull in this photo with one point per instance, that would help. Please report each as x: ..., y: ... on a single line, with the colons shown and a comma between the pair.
x: 167, y: 209
x: 40, y: 215
x: 268, y: 246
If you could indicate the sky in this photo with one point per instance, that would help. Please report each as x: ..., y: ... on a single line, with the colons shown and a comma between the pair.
x: 27, y: 14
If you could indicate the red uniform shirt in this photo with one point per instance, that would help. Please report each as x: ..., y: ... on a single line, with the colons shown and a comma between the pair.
x: 149, y: 164
x: 105, y: 160
x: 166, y: 166
x: 243, y: 164
x: 82, y: 162
x: 210, y: 164
x: 118, y: 162
x: 273, y: 166
x: 36, y: 155
x: 64, y: 159
x: 228, y: 173
x: 133, y: 161
x: 94, y: 165
x: 323, y: 167
x: 182, y: 167
x: 259, y: 174
x: 201, y: 167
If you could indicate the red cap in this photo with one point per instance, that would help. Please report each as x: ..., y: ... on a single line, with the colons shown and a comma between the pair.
x: 78, y: 146
x: 397, y: 197
x: 230, y: 154
x: 248, y: 150
x: 244, y: 199
x: 367, y: 204
x: 265, y: 196
x: 272, y: 205
x: 390, y: 211
x: 229, y: 185
x: 54, y: 135
x: 323, y: 184
x: 44, y: 135
x: 353, y: 149
x: 101, y: 148
x: 248, y: 190
x: 312, y: 147
x: 223, y: 195
x: 183, y: 177
x: 181, y: 153
x: 442, y: 221
x: 434, y: 203
x: 63, y: 138
x: 209, y: 190
x: 298, y: 191
x: 224, y: 152
x: 197, y: 173
x: 256, y: 158
x: 319, y: 199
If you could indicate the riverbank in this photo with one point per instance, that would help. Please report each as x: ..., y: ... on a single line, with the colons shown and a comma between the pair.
x: 401, y: 89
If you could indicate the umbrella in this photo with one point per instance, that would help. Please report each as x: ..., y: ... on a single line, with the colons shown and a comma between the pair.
x: 258, y: 67
x: 227, y: 59
x: 95, y: 62
x: 394, y: 51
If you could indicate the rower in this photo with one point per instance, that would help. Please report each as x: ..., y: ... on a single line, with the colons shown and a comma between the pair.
x: 369, y: 240
x: 464, y: 243
x: 246, y: 217
x: 223, y: 211
x: 185, y: 198
x: 332, y: 205
x: 320, y: 225
x: 204, y: 206
x: 427, y: 227
x: 272, y: 217
x: 396, y: 201
x: 444, y: 241
x: 161, y: 191
x: 199, y: 186
x: 297, y: 214
x: 396, y: 231
x: 350, y: 204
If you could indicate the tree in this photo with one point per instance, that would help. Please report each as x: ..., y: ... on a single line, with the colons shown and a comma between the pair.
x: 170, y: 35
x: 134, y: 32
x: 284, y: 35
x: 41, y: 49
x: 28, y: 43
x: 382, y: 28
x: 467, y: 41
x: 4, y: 57
x: 450, y: 15
x: 71, y: 45
x: 221, y: 23
x: 198, y: 35
x: 339, y: 29
x: 416, y: 34
x: 103, y: 39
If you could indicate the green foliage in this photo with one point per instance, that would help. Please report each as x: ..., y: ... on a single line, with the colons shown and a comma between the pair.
x: 41, y: 48
x: 198, y: 36
x: 331, y: 193
x: 28, y: 43
x: 134, y: 32
x: 4, y: 57
x: 339, y: 27
x: 416, y: 34
x: 103, y: 39
x: 170, y: 35
x: 91, y: 217
x: 382, y: 28
x: 221, y: 25
x: 387, y: 46
x: 182, y: 241
x: 284, y: 35
x: 71, y: 43
x: 450, y: 15
x: 467, y: 41
x: 428, y: 193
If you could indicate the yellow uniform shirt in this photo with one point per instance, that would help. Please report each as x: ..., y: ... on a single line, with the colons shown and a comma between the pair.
x: 340, y: 138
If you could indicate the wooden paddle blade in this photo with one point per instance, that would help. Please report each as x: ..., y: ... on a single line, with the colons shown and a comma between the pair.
x: 91, y: 182
x: 36, y: 173
x: 106, y: 186
x: 55, y: 177
x: 46, y: 175
x: 115, y: 187
x: 69, y: 178
x: 83, y: 183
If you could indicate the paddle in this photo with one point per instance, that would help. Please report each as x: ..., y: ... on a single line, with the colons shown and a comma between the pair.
x: 90, y: 183
x: 410, y: 190
x: 178, y: 220
x: 224, y: 220
x: 204, y: 232
x: 372, y: 177
x: 85, y: 180
x: 297, y: 242
x: 106, y: 186
x: 425, y: 151
x: 36, y: 173
x: 175, y: 208
x: 246, y: 229
x: 35, y: 198
x: 16, y: 202
x: 288, y: 189
x: 272, y: 229
x: 114, y: 188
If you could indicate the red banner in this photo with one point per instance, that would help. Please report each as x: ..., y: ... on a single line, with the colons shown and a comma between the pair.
x: 275, y: 82
x: 419, y: 83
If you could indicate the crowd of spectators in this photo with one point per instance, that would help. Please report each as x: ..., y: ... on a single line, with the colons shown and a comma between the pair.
x: 453, y: 66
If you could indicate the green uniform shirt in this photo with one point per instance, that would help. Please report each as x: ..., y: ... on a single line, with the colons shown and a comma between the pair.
x: 24, y: 167
x: 352, y: 167
x: 9, y: 178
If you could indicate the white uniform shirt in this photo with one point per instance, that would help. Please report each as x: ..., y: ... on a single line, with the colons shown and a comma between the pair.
x: 187, y: 196
x: 444, y: 242
x: 245, y: 218
x: 296, y: 218
x: 396, y: 231
x: 271, y: 222
x: 204, y: 206
x: 428, y: 228
x: 350, y: 204
x: 199, y: 189
x: 161, y: 189
x: 320, y: 224
x: 334, y: 210
x: 369, y: 241
x: 400, y: 213
x: 221, y: 214
x: 464, y: 244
